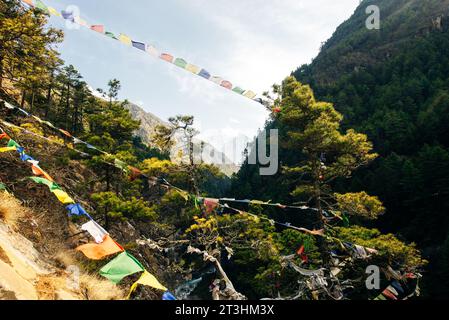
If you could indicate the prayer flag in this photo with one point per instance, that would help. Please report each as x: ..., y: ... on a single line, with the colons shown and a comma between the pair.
x: 226, y: 84
x: 139, y: 45
x: 25, y: 157
x: 167, y: 57
x: 65, y: 133
x: 68, y: 15
x: 135, y: 173
x: 97, y: 28
x: 249, y: 94
x: 7, y: 149
x: 4, y: 135
x: 9, y: 106
x: 2, y: 187
x: 40, y: 5
x: 62, y: 196
x: 192, y: 68
x: 123, y: 265
x: 210, y: 204
x: 238, y: 90
x: 121, y: 165
x: 147, y: 279
x: 152, y: 50
x: 37, y: 171
x: 54, y: 12
x: 44, y: 181
x: 111, y: 35
x: 29, y: 2
x: 180, y: 63
x: 125, y: 39
x: 216, y: 79
x: 12, y: 143
x: 77, y: 210
x: 168, y: 296
x: 95, y: 230
x: 100, y: 251
x: 204, y: 73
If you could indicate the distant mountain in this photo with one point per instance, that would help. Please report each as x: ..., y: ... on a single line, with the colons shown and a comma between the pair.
x: 210, y: 155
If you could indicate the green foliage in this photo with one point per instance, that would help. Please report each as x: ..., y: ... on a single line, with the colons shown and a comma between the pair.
x: 359, y: 204
x: 121, y: 209
x: 391, y: 250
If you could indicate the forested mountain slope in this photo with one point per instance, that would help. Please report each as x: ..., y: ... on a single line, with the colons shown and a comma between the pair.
x: 393, y: 85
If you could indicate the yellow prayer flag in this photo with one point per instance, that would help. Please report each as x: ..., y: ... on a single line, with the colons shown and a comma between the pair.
x: 192, y: 68
x: 7, y: 149
x: 63, y: 196
x: 54, y: 12
x: 249, y: 94
x: 147, y: 279
x: 125, y: 39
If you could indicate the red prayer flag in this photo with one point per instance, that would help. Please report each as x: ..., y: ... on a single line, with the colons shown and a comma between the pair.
x: 97, y: 28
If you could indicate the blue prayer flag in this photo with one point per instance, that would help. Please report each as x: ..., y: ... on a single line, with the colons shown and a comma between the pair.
x: 168, y: 296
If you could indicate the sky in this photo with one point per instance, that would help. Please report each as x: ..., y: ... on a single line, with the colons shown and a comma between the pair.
x: 252, y: 43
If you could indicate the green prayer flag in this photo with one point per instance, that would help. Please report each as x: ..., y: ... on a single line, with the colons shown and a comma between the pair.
x: 40, y: 180
x: 123, y: 265
x: 2, y: 186
x: 180, y: 63
x: 238, y: 90
x: 12, y: 143
x: 40, y: 5
x: 111, y: 35
x: 51, y: 185
x: 121, y: 165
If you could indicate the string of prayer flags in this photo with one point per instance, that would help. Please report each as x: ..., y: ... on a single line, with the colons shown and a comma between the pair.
x: 97, y: 28
x: 122, y: 266
x: 62, y: 196
x: 66, y: 133
x: 146, y: 279
x: 180, y: 62
x: 95, y: 230
x: 76, y: 209
x: 99, y: 251
x: 168, y: 296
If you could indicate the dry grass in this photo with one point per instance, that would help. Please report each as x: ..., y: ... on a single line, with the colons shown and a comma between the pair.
x: 94, y: 288
x: 11, y: 210
x: 65, y: 259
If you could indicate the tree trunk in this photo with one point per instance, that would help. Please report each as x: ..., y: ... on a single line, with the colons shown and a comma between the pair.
x: 50, y: 88
x: 22, y: 101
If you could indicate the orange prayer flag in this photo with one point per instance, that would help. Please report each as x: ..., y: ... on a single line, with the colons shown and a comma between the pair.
x: 66, y: 133
x: 134, y: 173
x: 37, y: 171
x: 4, y: 135
x: 29, y: 2
x: 167, y: 57
x: 100, y: 251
